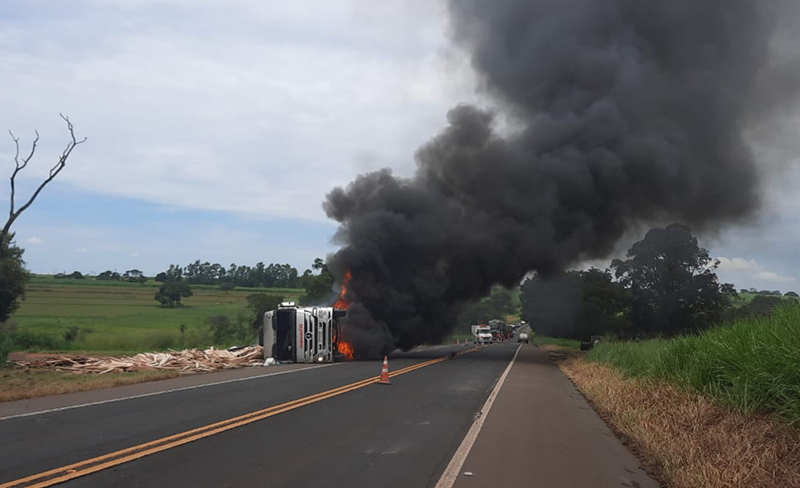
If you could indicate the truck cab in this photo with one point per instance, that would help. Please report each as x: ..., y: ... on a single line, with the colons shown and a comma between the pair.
x: 483, y: 335
x: 293, y: 334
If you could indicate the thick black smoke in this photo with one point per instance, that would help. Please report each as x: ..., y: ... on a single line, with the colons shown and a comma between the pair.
x: 622, y: 112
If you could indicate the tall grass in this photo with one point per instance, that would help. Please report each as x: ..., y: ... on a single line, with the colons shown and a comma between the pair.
x: 752, y: 364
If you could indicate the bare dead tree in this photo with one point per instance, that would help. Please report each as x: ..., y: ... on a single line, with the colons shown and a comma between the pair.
x: 22, y: 163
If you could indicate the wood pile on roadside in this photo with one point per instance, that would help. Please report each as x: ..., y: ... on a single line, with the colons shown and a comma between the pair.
x: 188, y: 360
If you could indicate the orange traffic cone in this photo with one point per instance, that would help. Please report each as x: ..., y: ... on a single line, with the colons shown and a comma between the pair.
x: 385, y: 372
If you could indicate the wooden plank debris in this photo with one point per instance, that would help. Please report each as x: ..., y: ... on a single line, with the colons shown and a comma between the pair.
x: 188, y: 360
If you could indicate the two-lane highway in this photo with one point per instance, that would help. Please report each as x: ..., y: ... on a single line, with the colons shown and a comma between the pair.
x: 328, y: 427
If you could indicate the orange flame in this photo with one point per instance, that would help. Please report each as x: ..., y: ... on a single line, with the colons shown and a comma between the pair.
x: 343, y: 303
x: 347, y: 349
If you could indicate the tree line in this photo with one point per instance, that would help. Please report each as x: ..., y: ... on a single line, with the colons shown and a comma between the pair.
x: 666, y: 286
x: 206, y: 273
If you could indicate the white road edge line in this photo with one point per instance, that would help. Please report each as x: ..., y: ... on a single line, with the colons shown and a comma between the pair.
x: 450, y: 474
x: 143, y: 395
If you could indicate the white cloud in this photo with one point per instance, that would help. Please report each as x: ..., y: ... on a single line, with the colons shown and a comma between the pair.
x: 34, y: 240
x: 774, y: 277
x: 738, y: 264
x: 247, y: 106
x: 135, y: 254
x: 752, y: 270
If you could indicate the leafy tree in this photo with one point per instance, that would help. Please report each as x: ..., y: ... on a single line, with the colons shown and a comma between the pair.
x: 12, y: 278
x: 134, y: 276
x: 318, y: 287
x: 673, y: 284
x: 497, y: 305
x: 259, y: 304
x: 576, y: 305
x: 227, y: 286
x: 109, y: 275
x: 161, y: 277
x: 76, y: 275
x: 170, y: 293
x: 791, y: 294
x: 760, y: 306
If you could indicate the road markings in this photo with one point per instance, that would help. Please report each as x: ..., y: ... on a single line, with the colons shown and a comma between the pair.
x: 93, y: 465
x: 457, y: 462
x: 155, y: 393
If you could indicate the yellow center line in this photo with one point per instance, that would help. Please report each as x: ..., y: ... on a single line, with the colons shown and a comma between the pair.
x: 93, y: 465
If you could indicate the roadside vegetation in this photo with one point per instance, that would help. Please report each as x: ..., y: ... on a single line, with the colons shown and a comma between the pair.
x: 686, y: 439
x: 752, y: 365
x: 20, y: 384
x: 125, y: 318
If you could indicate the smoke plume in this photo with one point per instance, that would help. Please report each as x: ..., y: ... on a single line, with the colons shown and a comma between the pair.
x: 620, y: 113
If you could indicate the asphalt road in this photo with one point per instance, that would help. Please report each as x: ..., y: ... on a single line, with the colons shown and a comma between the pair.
x: 400, y: 435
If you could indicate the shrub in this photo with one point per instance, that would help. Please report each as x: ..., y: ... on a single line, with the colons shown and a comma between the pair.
x: 30, y: 340
x: 6, y: 344
x: 225, y: 331
x: 71, y: 333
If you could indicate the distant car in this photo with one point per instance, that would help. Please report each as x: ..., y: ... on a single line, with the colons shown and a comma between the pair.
x: 522, y: 337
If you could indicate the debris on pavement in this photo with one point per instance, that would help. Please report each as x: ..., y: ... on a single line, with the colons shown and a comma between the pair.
x: 187, y: 360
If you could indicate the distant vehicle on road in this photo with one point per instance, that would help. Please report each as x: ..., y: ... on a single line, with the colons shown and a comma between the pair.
x: 482, y: 334
x: 498, y: 328
x: 523, y: 337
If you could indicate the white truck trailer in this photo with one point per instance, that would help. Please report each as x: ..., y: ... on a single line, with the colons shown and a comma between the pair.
x: 482, y: 334
x: 293, y: 334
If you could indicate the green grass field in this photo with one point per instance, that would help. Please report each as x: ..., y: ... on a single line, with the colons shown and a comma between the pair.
x: 124, y: 317
x: 752, y: 365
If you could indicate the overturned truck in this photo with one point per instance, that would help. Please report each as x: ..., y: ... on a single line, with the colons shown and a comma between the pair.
x: 293, y: 334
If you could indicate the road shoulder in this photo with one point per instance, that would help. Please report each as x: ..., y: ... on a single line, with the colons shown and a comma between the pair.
x: 541, y: 429
x: 32, y: 406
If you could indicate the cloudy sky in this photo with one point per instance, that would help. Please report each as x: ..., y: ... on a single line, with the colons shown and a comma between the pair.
x: 216, y: 129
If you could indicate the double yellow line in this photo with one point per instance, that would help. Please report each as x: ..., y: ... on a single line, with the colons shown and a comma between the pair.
x: 93, y: 465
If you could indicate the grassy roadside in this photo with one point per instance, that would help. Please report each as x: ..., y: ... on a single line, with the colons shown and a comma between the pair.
x: 686, y: 439
x: 20, y: 383
x: 721, y: 409
x: 752, y: 365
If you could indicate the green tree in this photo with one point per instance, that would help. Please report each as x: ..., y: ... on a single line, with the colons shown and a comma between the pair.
x: 259, y: 304
x: 318, y: 287
x: 673, y: 284
x: 170, y: 293
x: 109, y: 275
x: 12, y: 274
x: 576, y: 304
x: 12, y: 278
x: 497, y: 305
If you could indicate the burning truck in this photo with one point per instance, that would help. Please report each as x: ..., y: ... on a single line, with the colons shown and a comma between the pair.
x: 293, y: 334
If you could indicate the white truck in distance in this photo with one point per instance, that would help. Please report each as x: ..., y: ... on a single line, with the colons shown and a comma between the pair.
x: 482, y: 334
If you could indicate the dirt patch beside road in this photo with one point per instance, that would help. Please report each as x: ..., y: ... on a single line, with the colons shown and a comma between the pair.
x: 687, y: 440
x: 21, y: 383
